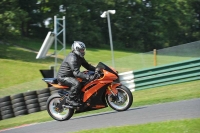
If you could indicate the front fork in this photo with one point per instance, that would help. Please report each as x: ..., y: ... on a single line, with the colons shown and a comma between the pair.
x: 113, y: 91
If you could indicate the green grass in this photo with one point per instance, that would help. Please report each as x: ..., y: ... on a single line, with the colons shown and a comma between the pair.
x: 163, y: 94
x: 19, y: 65
x: 168, y: 93
x: 19, y: 72
x: 178, y: 126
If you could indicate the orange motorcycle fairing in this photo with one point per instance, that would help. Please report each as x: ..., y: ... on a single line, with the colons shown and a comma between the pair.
x: 93, y: 87
x: 95, y: 82
x: 92, y: 90
x: 89, y: 84
x: 108, y: 75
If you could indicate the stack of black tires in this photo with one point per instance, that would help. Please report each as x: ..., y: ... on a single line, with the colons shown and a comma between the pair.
x: 53, y: 90
x: 31, y: 101
x: 18, y: 104
x: 43, y: 95
x: 6, y: 108
x: 24, y: 103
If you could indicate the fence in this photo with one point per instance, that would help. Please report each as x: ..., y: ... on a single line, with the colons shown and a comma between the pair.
x: 162, y: 75
x: 164, y: 56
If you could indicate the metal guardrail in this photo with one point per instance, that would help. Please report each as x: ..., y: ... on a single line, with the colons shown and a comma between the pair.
x: 162, y: 75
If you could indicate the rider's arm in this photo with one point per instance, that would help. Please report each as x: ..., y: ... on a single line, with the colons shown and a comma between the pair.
x: 87, y: 66
x: 75, y: 67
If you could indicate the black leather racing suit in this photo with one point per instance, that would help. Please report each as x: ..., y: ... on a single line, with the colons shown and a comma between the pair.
x: 70, y: 70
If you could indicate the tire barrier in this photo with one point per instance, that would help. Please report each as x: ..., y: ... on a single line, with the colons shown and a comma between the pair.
x: 24, y: 103
x: 43, y: 95
x: 31, y: 101
x: 53, y: 90
x: 18, y: 104
x: 6, y: 108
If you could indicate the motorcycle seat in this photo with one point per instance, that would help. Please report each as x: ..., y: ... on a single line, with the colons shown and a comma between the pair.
x: 54, y: 82
x: 51, y: 80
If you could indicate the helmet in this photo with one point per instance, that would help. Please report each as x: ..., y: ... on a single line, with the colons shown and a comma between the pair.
x: 79, y: 48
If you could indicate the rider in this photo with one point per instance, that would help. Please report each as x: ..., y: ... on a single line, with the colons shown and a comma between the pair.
x: 70, y: 70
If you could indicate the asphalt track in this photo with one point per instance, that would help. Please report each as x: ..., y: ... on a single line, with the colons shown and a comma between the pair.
x: 152, y: 113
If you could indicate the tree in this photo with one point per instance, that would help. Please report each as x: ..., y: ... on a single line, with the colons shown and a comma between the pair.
x: 138, y: 24
x: 150, y: 24
x: 195, y: 27
x: 10, y: 18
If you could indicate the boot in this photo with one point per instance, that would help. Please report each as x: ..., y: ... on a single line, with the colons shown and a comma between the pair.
x: 70, y: 100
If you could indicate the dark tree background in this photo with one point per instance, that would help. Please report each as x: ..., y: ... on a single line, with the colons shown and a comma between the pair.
x: 138, y: 24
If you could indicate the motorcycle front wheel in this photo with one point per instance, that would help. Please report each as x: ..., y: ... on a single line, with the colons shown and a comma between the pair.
x: 61, y: 114
x: 122, y: 101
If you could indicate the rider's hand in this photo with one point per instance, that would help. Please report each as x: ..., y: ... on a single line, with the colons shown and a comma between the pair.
x: 95, y: 76
x: 97, y: 70
x: 92, y: 77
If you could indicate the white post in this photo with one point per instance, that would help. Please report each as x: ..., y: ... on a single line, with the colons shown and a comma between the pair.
x: 110, y: 36
x: 55, y: 45
x: 104, y: 15
x: 64, y: 35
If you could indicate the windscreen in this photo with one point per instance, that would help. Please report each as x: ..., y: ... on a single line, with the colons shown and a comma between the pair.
x: 105, y: 67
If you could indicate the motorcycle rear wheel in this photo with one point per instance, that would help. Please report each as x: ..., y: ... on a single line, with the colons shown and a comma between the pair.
x: 61, y: 115
x: 123, y: 101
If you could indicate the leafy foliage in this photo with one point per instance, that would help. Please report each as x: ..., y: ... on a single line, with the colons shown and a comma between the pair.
x: 138, y: 24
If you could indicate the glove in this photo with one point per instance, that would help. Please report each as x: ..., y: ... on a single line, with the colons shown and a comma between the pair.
x: 92, y: 77
x: 97, y: 70
x: 95, y: 76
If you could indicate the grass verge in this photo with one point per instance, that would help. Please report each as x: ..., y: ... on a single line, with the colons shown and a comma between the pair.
x: 178, y: 126
x: 163, y: 94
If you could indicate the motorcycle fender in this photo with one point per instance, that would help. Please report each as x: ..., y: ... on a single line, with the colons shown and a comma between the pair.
x: 113, y: 87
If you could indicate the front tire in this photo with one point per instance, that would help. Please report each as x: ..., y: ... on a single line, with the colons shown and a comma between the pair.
x: 123, y: 101
x: 61, y: 115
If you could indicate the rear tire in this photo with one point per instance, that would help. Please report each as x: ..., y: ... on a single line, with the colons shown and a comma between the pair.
x: 124, y: 100
x: 64, y: 114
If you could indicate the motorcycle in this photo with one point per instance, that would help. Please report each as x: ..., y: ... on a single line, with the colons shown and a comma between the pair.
x: 96, y: 94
